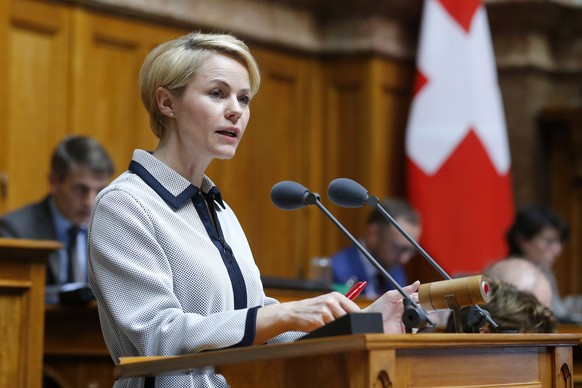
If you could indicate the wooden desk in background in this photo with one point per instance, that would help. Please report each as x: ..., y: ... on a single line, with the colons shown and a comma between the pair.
x: 75, y: 354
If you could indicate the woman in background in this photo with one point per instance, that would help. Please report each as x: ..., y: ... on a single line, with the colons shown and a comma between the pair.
x: 538, y: 234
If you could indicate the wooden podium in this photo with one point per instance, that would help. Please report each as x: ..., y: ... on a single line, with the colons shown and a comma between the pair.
x: 380, y: 360
x: 22, y: 285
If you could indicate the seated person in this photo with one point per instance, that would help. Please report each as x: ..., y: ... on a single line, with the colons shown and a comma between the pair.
x: 538, y: 234
x: 80, y: 168
x: 386, y: 244
x: 524, y: 275
x: 513, y: 310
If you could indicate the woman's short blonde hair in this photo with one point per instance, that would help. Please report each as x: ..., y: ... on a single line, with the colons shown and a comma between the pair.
x: 174, y: 63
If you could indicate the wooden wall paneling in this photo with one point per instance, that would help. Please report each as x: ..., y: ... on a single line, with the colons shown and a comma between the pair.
x: 390, y: 87
x: 105, y: 91
x: 367, y: 105
x: 574, y: 250
x: 274, y: 148
x: 36, y: 95
x: 563, y: 196
x: 566, y: 198
x: 109, y: 53
x: 562, y: 134
x: 347, y: 122
x: 4, y: 39
x: 320, y: 140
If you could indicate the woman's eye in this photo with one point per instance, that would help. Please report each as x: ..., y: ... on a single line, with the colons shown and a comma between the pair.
x: 216, y: 93
x: 245, y: 100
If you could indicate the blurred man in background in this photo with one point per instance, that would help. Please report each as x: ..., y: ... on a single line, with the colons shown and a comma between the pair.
x: 80, y: 168
x: 386, y: 244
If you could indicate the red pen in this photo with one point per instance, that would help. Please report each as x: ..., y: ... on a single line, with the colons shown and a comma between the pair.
x: 356, y: 290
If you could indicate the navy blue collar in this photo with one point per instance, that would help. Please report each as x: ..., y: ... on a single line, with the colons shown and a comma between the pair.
x: 175, y: 201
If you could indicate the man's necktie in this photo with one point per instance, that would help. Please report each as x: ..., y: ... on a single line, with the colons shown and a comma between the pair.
x: 73, y: 271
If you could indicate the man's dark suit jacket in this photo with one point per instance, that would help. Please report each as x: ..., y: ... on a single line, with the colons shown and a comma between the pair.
x: 33, y: 222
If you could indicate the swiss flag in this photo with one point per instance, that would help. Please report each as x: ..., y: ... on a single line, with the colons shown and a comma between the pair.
x: 458, y: 160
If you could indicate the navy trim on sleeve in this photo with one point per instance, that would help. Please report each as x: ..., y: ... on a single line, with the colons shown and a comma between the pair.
x: 250, y: 328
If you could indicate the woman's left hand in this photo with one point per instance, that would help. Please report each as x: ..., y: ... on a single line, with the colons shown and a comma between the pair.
x: 392, y: 307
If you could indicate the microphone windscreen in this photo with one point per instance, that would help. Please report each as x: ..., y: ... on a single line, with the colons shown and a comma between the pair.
x: 347, y: 193
x: 289, y: 195
x: 466, y: 291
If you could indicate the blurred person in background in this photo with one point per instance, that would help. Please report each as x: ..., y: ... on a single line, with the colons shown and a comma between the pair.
x: 524, y: 275
x: 538, y: 234
x: 386, y: 244
x: 512, y: 309
x: 80, y: 168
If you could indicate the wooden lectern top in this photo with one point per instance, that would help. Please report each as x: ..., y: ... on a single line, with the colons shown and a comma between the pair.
x: 25, y: 248
x: 486, y: 357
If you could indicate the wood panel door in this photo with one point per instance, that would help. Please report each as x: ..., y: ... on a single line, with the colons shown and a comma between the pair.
x: 109, y: 52
x: 562, y: 130
x: 364, y: 114
x: 34, y: 63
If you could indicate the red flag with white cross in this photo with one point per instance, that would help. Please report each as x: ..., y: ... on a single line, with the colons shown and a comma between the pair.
x: 458, y: 160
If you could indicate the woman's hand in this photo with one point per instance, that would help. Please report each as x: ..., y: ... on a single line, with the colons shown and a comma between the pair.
x: 310, y: 314
x: 392, y: 307
x: 303, y: 315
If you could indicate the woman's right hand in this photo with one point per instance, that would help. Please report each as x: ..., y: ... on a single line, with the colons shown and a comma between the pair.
x: 303, y: 315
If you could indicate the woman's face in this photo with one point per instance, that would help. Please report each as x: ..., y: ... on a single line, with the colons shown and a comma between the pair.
x: 212, y: 114
x: 543, y: 248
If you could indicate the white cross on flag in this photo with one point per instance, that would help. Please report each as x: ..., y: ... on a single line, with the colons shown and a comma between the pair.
x: 458, y: 161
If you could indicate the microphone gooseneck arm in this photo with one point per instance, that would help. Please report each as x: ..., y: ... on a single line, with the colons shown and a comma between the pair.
x: 411, y: 319
x: 363, y: 250
x: 374, y: 202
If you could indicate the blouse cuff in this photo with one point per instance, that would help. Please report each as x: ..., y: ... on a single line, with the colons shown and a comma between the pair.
x: 250, y: 328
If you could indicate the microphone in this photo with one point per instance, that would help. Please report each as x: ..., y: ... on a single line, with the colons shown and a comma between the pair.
x: 456, y: 294
x: 289, y: 195
x: 346, y: 192
x: 460, y: 292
